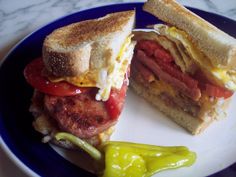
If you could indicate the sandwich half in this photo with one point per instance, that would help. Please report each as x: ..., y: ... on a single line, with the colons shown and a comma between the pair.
x: 81, y: 80
x: 185, y: 67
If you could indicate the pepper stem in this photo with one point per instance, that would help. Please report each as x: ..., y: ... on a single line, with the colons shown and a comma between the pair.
x: 92, y: 151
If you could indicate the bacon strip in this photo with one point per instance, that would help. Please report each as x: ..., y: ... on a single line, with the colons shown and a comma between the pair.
x: 145, y: 72
x: 179, y: 83
x: 178, y: 74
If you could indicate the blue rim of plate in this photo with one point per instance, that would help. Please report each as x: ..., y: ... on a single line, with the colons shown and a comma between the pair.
x: 18, y: 138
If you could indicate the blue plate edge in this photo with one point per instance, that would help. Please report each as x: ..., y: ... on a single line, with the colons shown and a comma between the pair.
x: 4, y: 146
x: 22, y: 166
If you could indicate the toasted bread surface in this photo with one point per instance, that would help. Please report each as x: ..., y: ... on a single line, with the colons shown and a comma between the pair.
x: 79, y: 47
x: 214, y: 43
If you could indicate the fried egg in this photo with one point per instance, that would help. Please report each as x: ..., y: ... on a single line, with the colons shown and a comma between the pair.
x: 223, y: 77
x: 107, y: 77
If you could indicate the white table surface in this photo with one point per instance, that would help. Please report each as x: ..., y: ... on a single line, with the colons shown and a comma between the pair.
x: 19, y: 18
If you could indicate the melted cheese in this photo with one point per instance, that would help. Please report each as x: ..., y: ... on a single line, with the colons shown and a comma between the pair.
x: 158, y: 86
x: 105, y: 78
x: 221, y: 76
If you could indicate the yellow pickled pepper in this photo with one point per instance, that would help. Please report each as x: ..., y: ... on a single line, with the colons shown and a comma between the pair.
x: 125, y: 159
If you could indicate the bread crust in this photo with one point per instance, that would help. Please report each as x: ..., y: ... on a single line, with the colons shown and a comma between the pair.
x: 214, y: 43
x: 61, y: 63
x: 74, y: 49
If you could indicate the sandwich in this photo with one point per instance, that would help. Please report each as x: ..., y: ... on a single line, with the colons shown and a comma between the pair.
x: 185, y: 67
x: 81, y: 79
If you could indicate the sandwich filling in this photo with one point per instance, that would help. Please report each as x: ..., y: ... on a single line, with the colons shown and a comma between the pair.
x: 107, y: 77
x: 64, y: 107
x: 61, y: 106
x: 171, y: 68
x: 223, y: 77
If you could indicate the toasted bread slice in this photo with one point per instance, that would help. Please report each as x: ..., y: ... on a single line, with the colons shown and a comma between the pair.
x: 74, y: 49
x: 218, y: 46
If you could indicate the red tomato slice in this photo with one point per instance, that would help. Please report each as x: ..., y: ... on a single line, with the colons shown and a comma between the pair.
x: 211, y: 90
x: 152, y: 48
x: 165, y: 61
x: 218, y: 92
x: 147, y: 46
x: 162, y: 54
x: 33, y: 75
x: 115, y: 103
